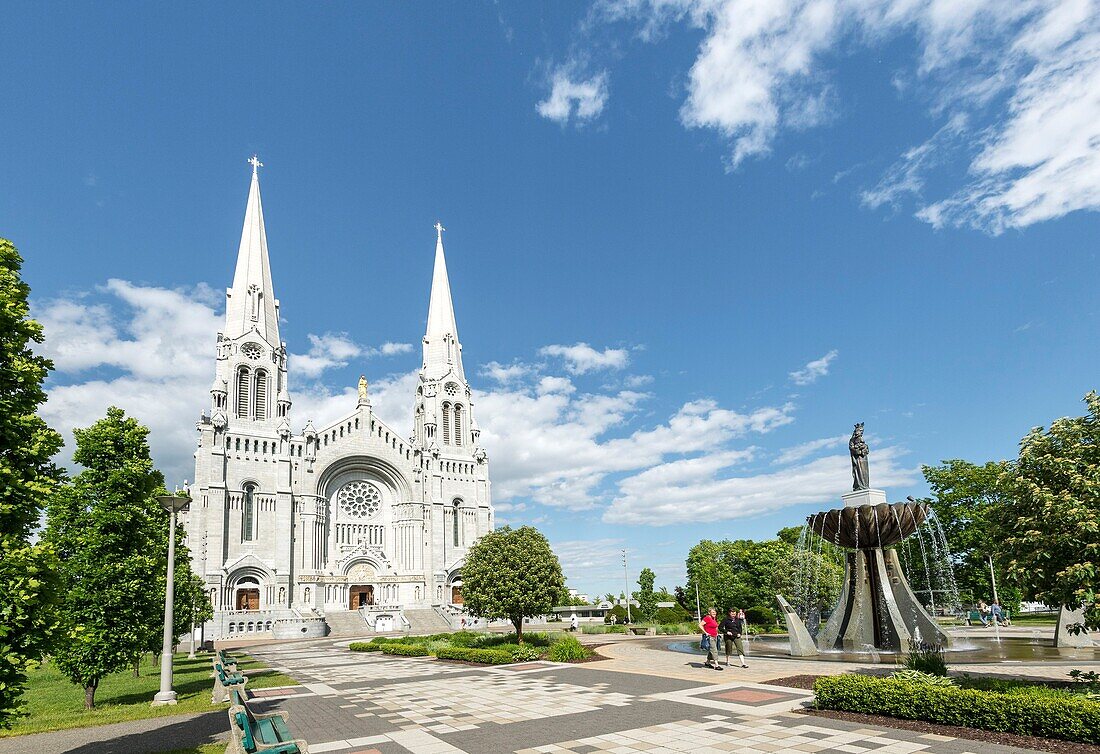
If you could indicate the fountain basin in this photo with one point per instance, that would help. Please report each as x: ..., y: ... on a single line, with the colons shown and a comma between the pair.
x: 868, y: 526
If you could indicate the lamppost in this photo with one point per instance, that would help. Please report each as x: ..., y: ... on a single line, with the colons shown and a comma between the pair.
x: 626, y: 582
x: 173, y: 504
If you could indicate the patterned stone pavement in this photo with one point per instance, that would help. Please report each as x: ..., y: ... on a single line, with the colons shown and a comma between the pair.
x: 358, y: 703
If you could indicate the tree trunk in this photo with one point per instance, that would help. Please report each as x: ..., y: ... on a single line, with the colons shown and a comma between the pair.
x: 518, y: 623
x: 89, y: 695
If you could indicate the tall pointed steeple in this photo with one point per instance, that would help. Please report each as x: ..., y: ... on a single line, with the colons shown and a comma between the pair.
x: 442, y: 351
x: 251, y: 303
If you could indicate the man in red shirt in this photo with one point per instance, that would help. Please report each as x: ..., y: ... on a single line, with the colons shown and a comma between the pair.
x: 709, y: 624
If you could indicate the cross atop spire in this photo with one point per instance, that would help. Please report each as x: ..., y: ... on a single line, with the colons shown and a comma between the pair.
x: 254, y: 161
x: 439, y: 230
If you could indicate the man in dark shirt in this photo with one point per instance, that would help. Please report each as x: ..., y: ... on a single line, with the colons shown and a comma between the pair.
x: 731, y: 627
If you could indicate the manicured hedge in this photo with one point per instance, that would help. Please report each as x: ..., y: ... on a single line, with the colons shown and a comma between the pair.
x: 1039, y: 714
x: 470, y: 654
x: 364, y: 646
x: 405, y: 650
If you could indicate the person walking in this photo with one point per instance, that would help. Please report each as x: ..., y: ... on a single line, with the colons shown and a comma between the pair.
x: 709, y: 625
x: 573, y: 622
x: 731, y: 628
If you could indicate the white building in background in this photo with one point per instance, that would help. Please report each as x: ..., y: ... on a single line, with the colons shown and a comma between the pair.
x: 350, y: 521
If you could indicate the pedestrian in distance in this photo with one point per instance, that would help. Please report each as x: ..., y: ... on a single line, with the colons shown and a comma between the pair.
x: 709, y: 625
x: 731, y: 628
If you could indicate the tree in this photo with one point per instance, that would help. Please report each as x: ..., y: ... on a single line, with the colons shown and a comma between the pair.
x: 1050, y: 520
x: 28, y: 584
x: 645, y: 596
x: 106, y: 527
x: 512, y: 573
x: 965, y: 497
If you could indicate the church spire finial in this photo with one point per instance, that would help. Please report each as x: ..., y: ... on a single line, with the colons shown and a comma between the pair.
x: 254, y: 161
x: 439, y: 231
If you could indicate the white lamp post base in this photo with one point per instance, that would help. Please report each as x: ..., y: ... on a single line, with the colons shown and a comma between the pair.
x: 164, y: 698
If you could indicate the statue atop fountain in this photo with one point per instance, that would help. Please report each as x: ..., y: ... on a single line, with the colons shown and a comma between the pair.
x: 857, y: 448
x: 877, y: 608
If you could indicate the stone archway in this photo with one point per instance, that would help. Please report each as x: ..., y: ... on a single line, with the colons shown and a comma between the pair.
x: 360, y: 595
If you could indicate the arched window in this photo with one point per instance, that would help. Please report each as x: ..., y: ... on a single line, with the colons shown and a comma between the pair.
x: 458, y: 424
x: 454, y: 523
x: 244, y: 380
x: 446, y: 423
x: 261, y: 394
x: 248, y: 513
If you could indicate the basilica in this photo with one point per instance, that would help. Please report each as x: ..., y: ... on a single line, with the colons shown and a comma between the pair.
x: 300, y: 529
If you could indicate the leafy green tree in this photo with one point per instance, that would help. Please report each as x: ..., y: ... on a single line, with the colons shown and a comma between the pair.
x: 106, y: 527
x: 645, y: 596
x: 28, y: 584
x: 965, y: 497
x: 1050, y: 520
x: 513, y: 574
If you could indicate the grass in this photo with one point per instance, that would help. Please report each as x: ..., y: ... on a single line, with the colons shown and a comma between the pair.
x: 215, y: 748
x: 53, y: 703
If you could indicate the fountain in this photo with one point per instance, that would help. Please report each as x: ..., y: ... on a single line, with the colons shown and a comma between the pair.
x: 877, y: 609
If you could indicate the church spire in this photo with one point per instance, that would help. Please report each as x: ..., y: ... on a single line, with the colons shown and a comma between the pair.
x: 442, y: 351
x: 250, y: 303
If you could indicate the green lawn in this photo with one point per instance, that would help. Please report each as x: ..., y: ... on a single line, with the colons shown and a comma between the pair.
x: 53, y: 703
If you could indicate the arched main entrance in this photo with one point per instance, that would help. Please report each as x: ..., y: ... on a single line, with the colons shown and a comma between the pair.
x: 248, y: 599
x: 456, y: 594
x: 360, y: 595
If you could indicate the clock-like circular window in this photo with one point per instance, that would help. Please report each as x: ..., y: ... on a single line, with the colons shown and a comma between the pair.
x: 451, y: 388
x: 252, y: 350
x: 359, y: 499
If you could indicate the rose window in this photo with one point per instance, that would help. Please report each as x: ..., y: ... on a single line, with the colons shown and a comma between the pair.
x: 451, y: 389
x: 359, y: 499
x: 252, y: 350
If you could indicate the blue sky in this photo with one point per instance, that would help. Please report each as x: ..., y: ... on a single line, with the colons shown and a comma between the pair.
x: 659, y: 215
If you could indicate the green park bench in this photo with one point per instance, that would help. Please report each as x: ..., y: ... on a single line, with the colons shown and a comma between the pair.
x: 228, y: 660
x: 224, y: 679
x: 251, y: 733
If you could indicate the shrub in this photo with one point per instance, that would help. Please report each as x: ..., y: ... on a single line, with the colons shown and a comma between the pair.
x: 590, y: 629
x: 917, y: 676
x: 1032, y: 711
x: 364, y: 646
x: 927, y: 658
x: 405, y: 650
x: 676, y: 614
x: 760, y: 615
x: 568, y: 649
x: 472, y: 654
x: 524, y: 653
x: 677, y: 628
x: 619, y: 612
x: 466, y: 639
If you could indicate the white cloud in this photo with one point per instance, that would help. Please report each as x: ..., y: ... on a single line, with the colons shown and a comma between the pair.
x: 816, y: 369
x: 806, y: 449
x: 574, y: 99
x: 335, y: 350
x: 325, y: 352
x: 700, y: 490
x: 582, y: 358
x: 505, y: 373
x: 156, y: 346
x: 1016, y: 85
x: 392, y: 349
x: 151, y: 351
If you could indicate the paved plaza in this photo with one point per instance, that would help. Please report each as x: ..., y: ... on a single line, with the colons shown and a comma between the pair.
x: 640, y: 698
x: 375, y: 704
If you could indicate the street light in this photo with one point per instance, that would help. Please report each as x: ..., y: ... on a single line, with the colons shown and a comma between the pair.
x: 173, y: 504
x: 626, y: 581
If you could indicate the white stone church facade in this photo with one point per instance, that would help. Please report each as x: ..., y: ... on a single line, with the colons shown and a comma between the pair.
x: 347, y: 523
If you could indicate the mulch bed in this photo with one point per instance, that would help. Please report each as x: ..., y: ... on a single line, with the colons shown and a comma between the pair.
x: 972, y: 734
